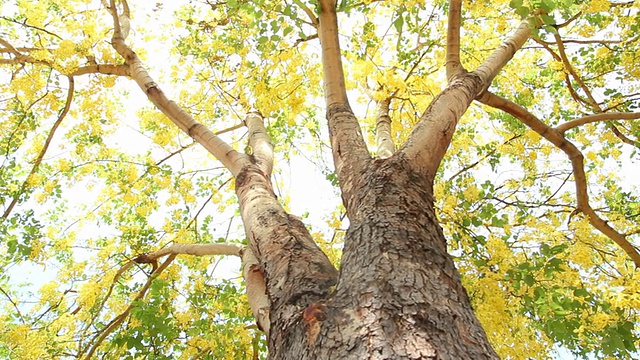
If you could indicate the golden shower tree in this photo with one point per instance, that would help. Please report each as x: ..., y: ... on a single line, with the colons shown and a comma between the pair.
x: 483, y: 154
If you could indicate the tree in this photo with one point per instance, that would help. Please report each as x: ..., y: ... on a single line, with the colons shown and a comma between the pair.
x: 528, y: 204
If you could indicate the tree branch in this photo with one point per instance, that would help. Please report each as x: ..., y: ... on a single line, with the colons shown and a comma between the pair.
x: 260, y: 142
x: 453, y: 64
x: 15, y: 304
x: 192, y: 249
x: 499, y: 58
x: 590, y: 102
x: 475, y: 163
x: 384, y: 140
x: 312, y: 17
x: 350, y: 153
x: 296, y: 270
x: 625, y: 139
x: 567, y: 78
x: 334, y: 85
x: 105, y: 69
x: 152, y: 258
x: 562, y: 128
x: 115, y: 322
x: 24, y: 23
x: 563, y: 56
x: 20, y: 49
x: 20, y: 58
x: 230, y: 158
x: 430, y: 138
x: 256, y: 290
x: 577, y: 163
x: 45, y: 147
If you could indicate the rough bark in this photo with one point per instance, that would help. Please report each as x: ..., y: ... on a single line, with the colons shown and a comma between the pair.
x: 297, y: 273
x: 399, y: 295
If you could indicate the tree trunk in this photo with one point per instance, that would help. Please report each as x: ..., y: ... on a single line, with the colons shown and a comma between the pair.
x: 399, y: 295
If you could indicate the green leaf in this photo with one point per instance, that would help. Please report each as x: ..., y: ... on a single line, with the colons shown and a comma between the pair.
x: 529, y: 280
x: 398, y: 23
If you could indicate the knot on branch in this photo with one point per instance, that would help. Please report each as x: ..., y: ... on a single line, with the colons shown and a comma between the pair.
x: 383, y: 119
x: 150, y: 85
x: 336, y: 109
x: 192, y: 129
x: 144, y: 259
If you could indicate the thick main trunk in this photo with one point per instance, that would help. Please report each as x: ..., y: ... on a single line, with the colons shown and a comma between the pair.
x: 399, y: 295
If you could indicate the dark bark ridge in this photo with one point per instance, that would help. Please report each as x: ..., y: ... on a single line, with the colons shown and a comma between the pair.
x: 349, y: 152
x: 399, y: 294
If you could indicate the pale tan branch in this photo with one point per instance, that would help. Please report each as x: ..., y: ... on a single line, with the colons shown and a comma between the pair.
x: 230, y: 158
x: 105, y: 69
x: 230, y: 128
x: 430, y: 138
x: 38, y: 161
x: 260, y: 142
x: 9, y: 47
x: 488, y: 70
x: 20, y: 58
x: 384, y: 140
x: 577, y: 164
x: 334, y: 85
x: 193, y: 249
x: 10, y: 62
x: 20, y: 49
x: 256, y: 290
x: 562, y: 128
x: 125, y: 9
x: 301, y: 40
x: 454, y: 67
x: 152, y: 258
x: 347, y: 143
x: 125, y: 20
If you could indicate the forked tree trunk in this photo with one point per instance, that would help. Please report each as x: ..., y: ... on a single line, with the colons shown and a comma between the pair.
x: 398, y: 296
